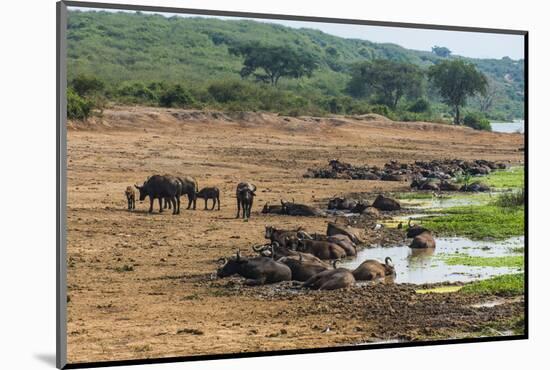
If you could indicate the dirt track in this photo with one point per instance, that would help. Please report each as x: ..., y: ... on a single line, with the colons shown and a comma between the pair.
x: 169, y: 305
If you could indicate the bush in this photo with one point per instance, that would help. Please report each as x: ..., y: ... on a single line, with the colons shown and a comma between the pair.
x: 381, y: 109
x: 176, y: 96
x: 477, y: 121
x: 138, y: 91
x: 511, y: 199
x: 419, y: 106
x: 85, y: 85
x: 77, y: 106
x: 230, y: 91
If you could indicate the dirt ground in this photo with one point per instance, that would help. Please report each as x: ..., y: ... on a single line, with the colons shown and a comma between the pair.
x: 142, y: 285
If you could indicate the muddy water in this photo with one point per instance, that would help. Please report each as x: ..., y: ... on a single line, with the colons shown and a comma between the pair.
x: 428, y: 266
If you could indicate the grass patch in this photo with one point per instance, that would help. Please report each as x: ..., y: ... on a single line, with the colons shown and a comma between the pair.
x: 511, y: 199
x: 504, y: 285
x: 466, y: 260
x: 506, y: 179
x: 440, y: 289
x: 477, y: 222
x: 417, y: 195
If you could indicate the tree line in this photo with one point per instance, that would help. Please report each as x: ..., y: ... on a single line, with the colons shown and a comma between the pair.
x: 377, y: 86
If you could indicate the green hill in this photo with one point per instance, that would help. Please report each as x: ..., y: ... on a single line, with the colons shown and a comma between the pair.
x: 123, y: 48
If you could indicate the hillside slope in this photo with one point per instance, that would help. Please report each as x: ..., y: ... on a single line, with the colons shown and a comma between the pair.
x: 121, y: 47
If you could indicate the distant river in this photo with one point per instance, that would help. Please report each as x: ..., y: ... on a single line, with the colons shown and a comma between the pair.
x: 508, y: 127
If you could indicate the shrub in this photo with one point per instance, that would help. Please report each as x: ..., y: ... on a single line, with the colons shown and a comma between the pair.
x: 176, y: 96
x: 380, y: 109
x: 77, y: 106
x: 511, y: 199
x: 137, y: 90
x: 419, y: 106
x: 86, y: 85
x: 230, y: 91
x: 477, y: 121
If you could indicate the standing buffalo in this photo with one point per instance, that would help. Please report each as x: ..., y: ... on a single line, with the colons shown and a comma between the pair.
x: 130, y: 197
x: 161, y: 187
x: 257, y: 270
x: 372, y: 269
x: 186, y: 185
x: 210, y: 193
x: 245, y: 198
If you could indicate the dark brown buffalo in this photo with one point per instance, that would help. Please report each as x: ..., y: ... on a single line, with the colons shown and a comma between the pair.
x: 245, y: 198
x: 301, y: 270
x: 281, y: 236
x: 414, y: 230
x: 475, y: 187
x: 186, y: 186
x: 277, y: 252
x: 423, y: 240
x: 257, y: 270
x: 372, y: 269
x: 335, y: 229
x: 448, y: 186
x: 342, y: 240
x: 297, y: 209
x: 338, y: 278
x: 130, y: 197
x: 160, y: 187
x: 386, y: 204
x: 324, y: 250
x: 210, y: 193
x: 276, y: 209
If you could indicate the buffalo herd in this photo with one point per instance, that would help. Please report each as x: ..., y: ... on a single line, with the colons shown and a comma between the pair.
x: 292, y: 254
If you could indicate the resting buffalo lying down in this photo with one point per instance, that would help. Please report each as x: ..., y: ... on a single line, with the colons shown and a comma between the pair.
x: 277, y: 252
x: 372, y: 269
x: 342, y: 240
x: 280, y: 236
x: 335, y: 229
x: 338, y: 278
x: 301, y: 270
x: 322, y: 249
x: 257, y: 270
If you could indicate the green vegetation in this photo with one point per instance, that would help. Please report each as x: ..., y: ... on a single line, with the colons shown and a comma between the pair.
x: 387, y: 80
x: 479, y: 222
x: 477, y: 121
x: 511, y: 199
x: 462, y: 259
x: 418, y: 195
x: 147, y: 59
x: 504, y: 285
x: 513, y: 178
x: 440, y: 290
x: 456, y: 81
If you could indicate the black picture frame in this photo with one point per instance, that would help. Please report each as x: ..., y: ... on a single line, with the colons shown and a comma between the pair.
x: 61, y: 191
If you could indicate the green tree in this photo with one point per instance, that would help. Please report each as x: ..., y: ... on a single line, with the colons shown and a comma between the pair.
x: 176, y: 96
x: 457, y: 80
x: 441, y: 51
x: 389, y: 80
x: 274, y: 61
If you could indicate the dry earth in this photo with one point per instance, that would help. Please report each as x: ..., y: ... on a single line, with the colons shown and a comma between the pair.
x: 169, y: 304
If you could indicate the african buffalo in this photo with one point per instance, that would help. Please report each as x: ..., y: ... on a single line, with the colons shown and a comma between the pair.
x: 257, y: 270
x: 335, y: 229
x: 342, y: 240
x: 386, y: 204
x: 297, y: 209
x: 130, y: 197
x: 209, y: 193
x: 276, y: 251
x: 276, y: 209
x: 280, y: 236
x: 475, y: 187
x: 301, y: 270
x: 338, y: 278
x: 186, y: 186
x: 160, y: 187
x: 423, y: 240
x: 245, y: 198
x: 324, y: 250
x: 372, y: 269
x: 414, y: 230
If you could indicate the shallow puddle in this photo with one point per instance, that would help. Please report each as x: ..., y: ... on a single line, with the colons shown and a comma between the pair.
x: 418, y: 266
